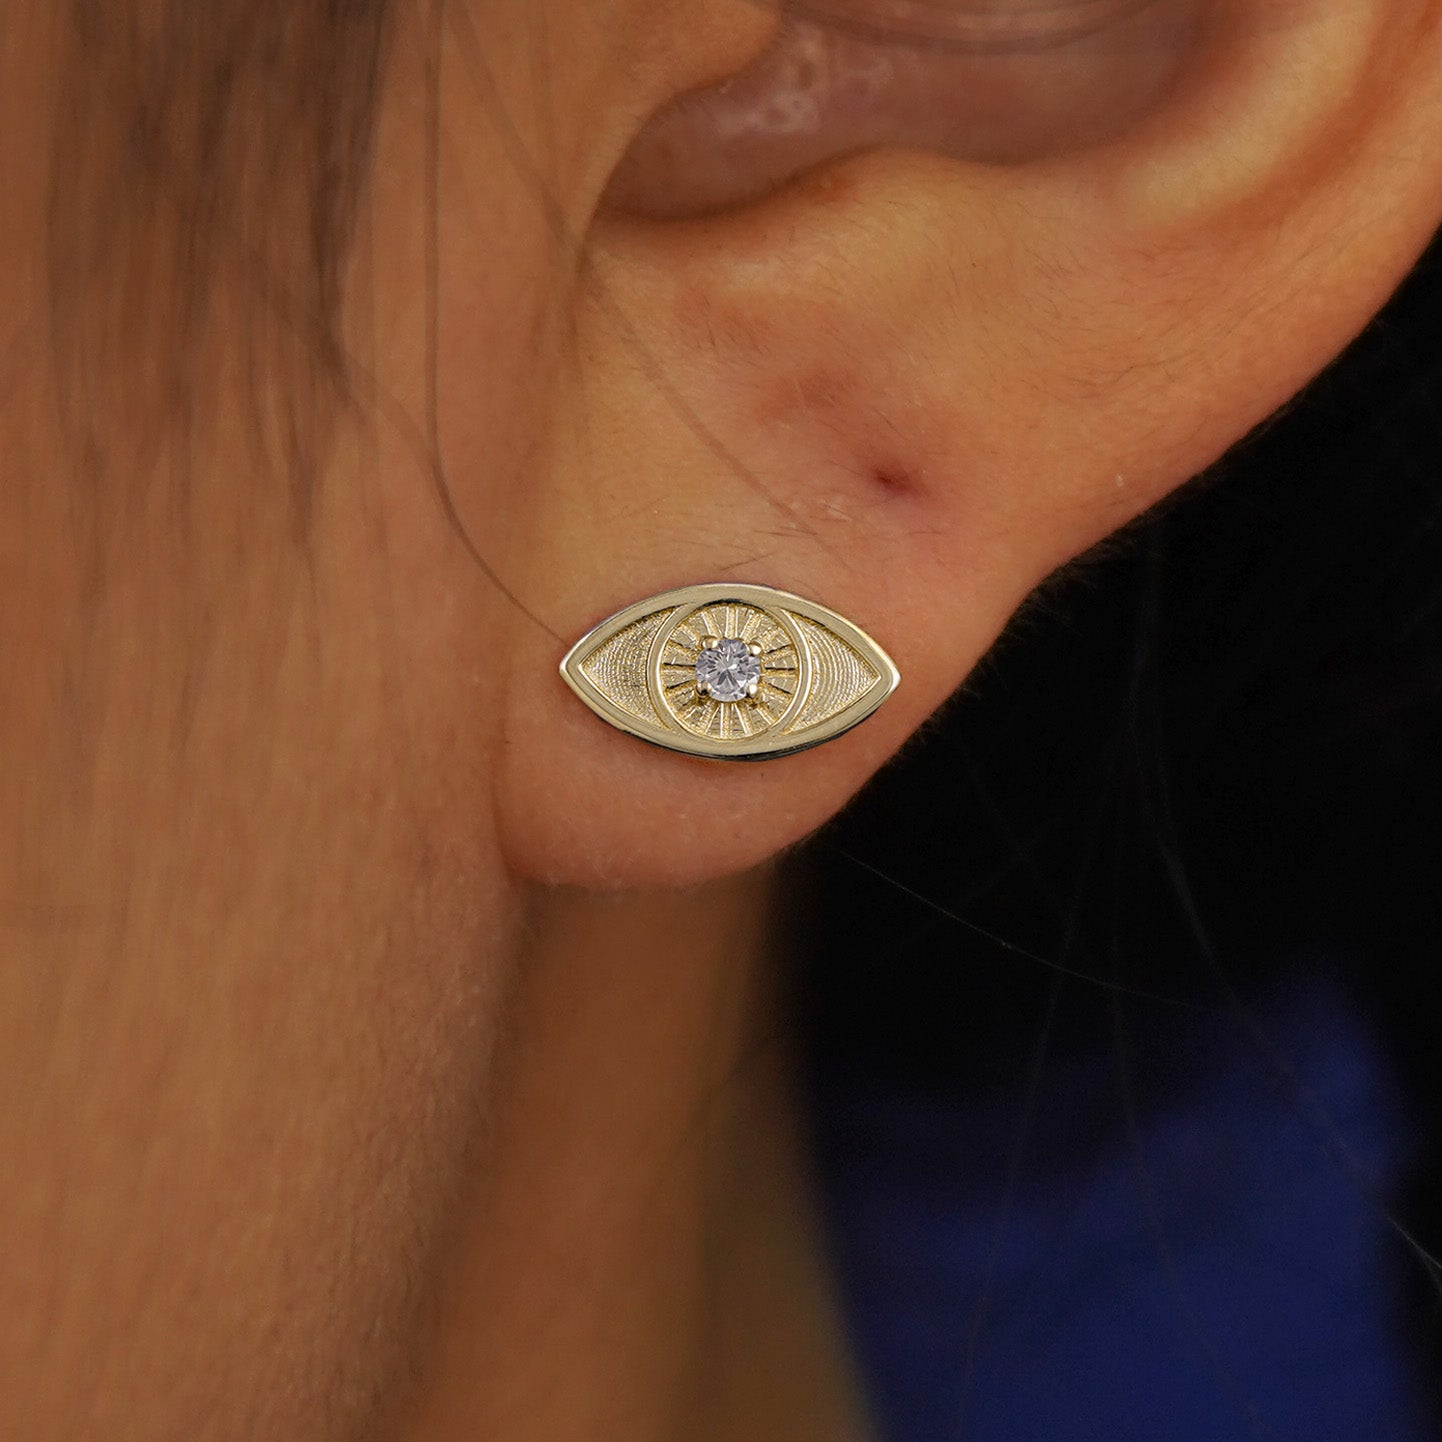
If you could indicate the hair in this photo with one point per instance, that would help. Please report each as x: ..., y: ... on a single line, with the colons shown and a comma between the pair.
x: 1248, y: 685
x: 209, y: 165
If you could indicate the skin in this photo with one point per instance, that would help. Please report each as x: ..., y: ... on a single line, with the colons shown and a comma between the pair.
x: 364, y: 1069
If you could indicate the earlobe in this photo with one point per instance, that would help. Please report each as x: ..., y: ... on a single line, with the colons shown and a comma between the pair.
x: 911, y: 387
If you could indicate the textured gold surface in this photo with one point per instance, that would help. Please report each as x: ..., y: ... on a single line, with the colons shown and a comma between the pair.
x: 720, y: 720
x: 819, y: 676
x: 840, y: 676
x: 618, y: 667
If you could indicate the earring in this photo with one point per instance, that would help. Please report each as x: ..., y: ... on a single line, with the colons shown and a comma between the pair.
x: 730, y: 672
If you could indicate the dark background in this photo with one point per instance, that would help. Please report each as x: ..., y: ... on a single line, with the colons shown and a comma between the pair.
x: 1202, y: 770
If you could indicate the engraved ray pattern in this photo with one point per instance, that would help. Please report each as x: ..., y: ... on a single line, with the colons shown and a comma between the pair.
x: 780, y: 666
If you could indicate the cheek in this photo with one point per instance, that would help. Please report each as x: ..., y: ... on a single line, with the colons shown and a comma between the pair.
x: 1000, y: 82
x: 247, y: 988
x: 229, y: 1161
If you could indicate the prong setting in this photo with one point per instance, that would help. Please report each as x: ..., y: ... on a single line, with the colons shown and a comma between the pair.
x: 728, y: 669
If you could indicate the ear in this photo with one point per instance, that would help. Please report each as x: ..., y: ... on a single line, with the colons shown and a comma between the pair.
x: 910, y: 386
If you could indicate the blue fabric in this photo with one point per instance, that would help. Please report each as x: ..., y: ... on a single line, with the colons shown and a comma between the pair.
x: 1191, y: 1245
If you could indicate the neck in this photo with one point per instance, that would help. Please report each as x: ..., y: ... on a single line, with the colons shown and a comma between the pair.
x: 640, y: 1260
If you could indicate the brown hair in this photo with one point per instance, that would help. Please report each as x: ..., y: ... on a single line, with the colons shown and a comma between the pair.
x: 209, y: 164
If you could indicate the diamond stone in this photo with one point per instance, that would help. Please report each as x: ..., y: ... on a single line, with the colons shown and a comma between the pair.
x: 727, y: 670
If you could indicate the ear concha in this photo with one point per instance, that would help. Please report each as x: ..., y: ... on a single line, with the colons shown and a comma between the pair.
x: 730, y: 672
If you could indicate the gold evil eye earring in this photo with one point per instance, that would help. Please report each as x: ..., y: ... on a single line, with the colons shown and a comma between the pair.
x: 730, y: 672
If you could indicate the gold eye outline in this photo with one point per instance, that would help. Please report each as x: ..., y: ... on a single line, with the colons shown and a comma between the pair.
x: 785, y: 673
